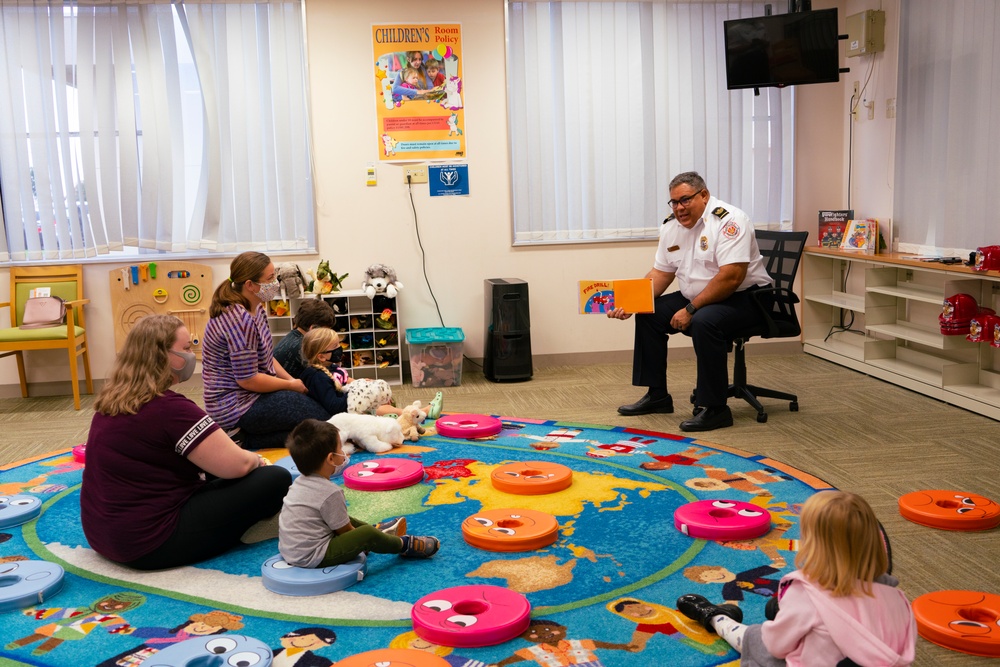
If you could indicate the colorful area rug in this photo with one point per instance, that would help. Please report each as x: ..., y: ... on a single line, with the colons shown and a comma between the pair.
x: 607, y: 586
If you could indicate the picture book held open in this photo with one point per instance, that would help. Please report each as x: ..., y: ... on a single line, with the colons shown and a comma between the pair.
x: 600, y: 296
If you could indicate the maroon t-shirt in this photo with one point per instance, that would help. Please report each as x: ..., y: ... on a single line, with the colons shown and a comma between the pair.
x: 137, y: 476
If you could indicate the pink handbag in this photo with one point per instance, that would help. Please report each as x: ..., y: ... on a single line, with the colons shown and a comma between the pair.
x: 43, y: 311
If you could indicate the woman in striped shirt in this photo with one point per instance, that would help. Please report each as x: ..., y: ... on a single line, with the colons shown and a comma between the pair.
x: 247, y: 391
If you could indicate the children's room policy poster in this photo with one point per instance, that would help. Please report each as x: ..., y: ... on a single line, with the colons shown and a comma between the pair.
x: 419, y: 91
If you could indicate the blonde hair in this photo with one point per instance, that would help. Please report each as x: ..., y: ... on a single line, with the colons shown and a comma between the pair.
x: 407, y: 71
x: 246, y: 266
x: 841, y: 546
x: 317, y: 341
x: 406, y: 639
x: 142, y: 370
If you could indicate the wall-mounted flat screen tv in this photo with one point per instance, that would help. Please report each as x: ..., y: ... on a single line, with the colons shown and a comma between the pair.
x: 782, y: 50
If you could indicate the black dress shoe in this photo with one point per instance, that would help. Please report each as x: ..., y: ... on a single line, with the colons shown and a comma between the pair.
x: 708, y: 419
x: 647, y: 405
x: 698, y: 608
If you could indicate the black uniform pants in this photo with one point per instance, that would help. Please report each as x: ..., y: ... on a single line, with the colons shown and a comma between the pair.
x: 712, y: 328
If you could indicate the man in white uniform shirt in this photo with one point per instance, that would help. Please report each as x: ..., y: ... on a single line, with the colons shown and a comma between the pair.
x: 709, y: 248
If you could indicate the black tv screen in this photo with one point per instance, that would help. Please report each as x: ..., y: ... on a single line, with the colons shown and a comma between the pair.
x: 782, y: 50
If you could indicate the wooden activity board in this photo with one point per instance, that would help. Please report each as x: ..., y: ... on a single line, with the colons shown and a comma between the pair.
x: 183, y: 289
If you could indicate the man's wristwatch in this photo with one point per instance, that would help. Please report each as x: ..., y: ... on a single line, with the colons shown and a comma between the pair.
x: 691, y: 308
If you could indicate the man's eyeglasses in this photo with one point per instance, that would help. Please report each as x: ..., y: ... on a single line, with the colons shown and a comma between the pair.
x: 683, y: 201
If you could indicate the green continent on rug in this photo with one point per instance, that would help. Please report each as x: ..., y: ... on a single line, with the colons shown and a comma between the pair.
x: 604, y: 591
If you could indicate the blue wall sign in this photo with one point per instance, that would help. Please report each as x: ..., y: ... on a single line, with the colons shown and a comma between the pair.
x: 445, y: 180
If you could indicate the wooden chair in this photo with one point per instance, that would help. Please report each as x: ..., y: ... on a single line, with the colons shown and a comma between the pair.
x: 66, y: 282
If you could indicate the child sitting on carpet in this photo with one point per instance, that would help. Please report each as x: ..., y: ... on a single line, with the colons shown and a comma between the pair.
x: 314, y: 528
x: 323, y: 376
x: 833, y: 609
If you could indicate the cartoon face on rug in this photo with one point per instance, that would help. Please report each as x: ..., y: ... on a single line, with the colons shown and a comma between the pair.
x: 228, y: 651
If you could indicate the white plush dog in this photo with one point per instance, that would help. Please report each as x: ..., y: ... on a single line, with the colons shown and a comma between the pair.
x: 364, y: 395
x: 375, y: 434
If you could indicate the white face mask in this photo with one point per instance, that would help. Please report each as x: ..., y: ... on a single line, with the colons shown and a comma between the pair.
x: 269, y: 291
x: 184, y: 372
x: 339, y: 470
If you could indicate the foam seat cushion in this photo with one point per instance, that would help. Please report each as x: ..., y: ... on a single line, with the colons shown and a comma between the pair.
x: 48, y: 333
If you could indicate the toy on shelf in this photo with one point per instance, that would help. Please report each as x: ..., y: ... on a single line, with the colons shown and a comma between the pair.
x: 290, y: 276
x: 381, y: 279
x: 324, y: 281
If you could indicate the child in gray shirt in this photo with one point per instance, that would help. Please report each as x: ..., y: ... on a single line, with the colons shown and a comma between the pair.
x: 314, y: 528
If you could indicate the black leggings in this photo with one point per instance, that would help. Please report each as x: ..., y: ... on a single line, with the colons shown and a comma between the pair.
x: 272, y: 417
x: 215, y: 518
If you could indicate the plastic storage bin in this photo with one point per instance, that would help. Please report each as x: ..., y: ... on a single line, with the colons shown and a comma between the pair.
x: 435, y: 356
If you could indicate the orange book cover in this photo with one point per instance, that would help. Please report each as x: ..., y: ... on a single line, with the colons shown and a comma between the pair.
x: 600, y: 296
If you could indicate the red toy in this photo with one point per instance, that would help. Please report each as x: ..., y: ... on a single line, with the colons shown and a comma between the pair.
x: 950, y: 510
x: 80, y: 453
x: 469, y: 616
x: 982, y: 328
x: 468, y: 426
x: 383, y: 475
x: 510, y: 530
x: 987, y: 258
x: 531, y: 478
x: 964, y: 621
x: 722, y: 520
x: 957, y: 312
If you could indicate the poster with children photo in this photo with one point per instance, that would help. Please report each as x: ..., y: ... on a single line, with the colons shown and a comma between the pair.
x: 419, y: 91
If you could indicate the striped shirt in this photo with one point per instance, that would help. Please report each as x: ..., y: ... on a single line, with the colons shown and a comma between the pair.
x: 236, y: 346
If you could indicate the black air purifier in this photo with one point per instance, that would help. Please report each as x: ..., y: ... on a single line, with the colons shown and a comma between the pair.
x: 508, y: 337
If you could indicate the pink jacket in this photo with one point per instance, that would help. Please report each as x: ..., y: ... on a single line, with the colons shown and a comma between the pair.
x: 814, y: 628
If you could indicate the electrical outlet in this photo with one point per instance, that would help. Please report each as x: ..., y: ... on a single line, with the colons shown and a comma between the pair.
x: 856, y: 88
x: 415, y: 174
x: 890, y: 107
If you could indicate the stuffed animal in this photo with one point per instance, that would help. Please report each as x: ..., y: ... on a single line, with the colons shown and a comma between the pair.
x: 324, y: 280
x: 410, y: 420
x: 364, y: 395
x: 290, y: 276
x: 374, y: 434
x: 381, y: 279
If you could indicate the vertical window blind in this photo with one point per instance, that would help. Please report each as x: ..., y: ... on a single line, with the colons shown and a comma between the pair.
x: 609, y: 100
x: 155, y: 125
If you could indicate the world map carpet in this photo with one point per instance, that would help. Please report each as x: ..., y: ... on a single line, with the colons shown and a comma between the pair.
x: 605, y: 588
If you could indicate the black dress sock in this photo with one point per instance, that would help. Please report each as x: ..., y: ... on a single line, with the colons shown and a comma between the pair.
x: 656, y: 393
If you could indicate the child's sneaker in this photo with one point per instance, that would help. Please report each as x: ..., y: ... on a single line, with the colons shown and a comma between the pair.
x: 395, y: 526
x: 419, y: 547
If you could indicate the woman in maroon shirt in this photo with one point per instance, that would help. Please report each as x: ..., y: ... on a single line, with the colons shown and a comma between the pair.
x: 146, y: 499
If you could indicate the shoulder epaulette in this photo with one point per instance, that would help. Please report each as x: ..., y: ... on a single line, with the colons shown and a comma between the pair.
x: 668, y: 218
x: 720, y: 212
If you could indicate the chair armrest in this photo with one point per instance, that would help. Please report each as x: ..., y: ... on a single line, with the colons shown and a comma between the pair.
x: 76, y: 302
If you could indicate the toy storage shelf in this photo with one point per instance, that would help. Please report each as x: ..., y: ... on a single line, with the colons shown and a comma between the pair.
x: 369, y: 330
x: 892, y: 306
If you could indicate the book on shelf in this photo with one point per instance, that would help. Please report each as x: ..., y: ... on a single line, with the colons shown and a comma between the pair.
x: 861, y: 235
x: 600, y: 296
x: 831, y: 227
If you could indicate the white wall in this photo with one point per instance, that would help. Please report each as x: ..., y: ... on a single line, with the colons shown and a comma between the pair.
x: 467, y: 239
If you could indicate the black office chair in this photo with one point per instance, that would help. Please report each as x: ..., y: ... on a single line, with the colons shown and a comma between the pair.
x: 782, y: 252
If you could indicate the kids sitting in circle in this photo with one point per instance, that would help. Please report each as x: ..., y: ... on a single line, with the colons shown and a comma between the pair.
x: 839, y: 608
x: 314, y: 528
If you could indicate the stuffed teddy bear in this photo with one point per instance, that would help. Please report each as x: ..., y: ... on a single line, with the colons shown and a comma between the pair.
x: 324, y: 280
x: 410, y: 420
x: 381, y: 279
x: 290, y: 276
x: 374, y: 434
x: 364, y: 395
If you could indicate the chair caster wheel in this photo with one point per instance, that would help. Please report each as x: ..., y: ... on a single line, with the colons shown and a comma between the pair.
x: 762, y: 417
x: 794, y: 406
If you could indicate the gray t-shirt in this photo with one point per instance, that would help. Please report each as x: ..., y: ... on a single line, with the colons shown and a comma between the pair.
x: 313, y: 509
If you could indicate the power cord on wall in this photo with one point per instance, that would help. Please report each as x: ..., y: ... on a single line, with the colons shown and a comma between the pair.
x: 423, y: 261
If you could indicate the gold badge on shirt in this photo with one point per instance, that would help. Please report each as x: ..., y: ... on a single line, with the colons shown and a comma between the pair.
x: 703, y: 243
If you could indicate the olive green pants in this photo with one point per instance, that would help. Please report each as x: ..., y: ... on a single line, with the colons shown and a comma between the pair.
x: 346, y: 546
